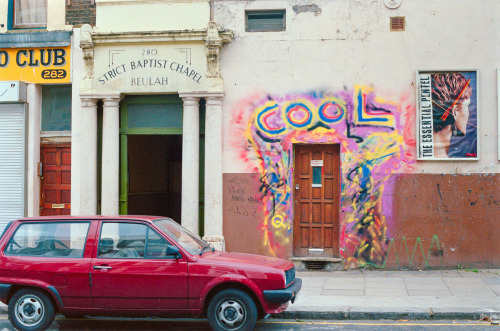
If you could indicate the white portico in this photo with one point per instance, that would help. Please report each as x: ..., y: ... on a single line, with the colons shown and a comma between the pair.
x: 121, y: 65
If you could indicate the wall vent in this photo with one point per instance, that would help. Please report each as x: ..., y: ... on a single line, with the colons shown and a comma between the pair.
x: 315, y: 265
x: 398, y: 23
x: 265, y: 20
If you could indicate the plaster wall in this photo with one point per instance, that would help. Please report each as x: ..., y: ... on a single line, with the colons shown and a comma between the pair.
x: 4, y: 14
x: 78, y: 184
x: 349, y: 43
x: 342, y: 54
x: 56, y: 15
x: 151, y: 15
x: 34, y: 111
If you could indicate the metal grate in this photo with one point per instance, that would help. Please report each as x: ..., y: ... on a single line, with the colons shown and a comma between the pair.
x: 315, y: 265
x: 290, y: 275
x: 398, y: 23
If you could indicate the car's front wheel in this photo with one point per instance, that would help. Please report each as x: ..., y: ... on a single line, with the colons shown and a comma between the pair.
x: 31, y: 310
x: 232, y: 309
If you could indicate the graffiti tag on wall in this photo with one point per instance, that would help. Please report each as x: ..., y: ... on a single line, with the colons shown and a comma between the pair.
x: 369, y: 130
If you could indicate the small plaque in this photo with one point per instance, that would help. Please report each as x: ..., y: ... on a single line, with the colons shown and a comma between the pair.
x: 316, y: 163
x: 58, y: 205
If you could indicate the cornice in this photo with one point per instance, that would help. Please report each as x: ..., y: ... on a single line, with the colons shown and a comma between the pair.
x: 103, y: 38
x: 202, y: 94
x: 100, y: 95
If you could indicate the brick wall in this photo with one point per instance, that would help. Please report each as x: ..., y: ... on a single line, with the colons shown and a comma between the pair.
x: 80, y: 12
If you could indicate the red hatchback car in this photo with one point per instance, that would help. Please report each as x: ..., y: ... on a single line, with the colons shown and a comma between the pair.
x: 134, y: 266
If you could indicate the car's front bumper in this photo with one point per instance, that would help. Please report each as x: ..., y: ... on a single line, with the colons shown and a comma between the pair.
x: 284, y: 295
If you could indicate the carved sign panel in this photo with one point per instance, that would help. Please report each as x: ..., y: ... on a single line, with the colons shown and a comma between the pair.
x: 150, y: 68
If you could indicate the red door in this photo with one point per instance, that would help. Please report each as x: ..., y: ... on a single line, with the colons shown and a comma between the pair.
x: 134, y: 281
x: 316, y: 200
x: 56, y: 180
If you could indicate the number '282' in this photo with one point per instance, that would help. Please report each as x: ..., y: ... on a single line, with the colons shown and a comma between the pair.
x: 54, y: 74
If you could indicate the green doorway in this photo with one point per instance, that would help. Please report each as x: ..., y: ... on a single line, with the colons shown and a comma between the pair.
x: 155, y: 174
x: 151, y: 156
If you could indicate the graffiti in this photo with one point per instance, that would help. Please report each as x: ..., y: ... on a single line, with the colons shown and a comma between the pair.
x: 404, y: 257
x: 241, y: 199
x: 369, y: 131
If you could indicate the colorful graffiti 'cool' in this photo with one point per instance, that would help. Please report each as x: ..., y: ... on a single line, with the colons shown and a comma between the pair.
x: 368, y: 130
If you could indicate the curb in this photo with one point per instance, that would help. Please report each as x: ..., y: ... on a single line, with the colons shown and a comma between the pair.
x: 370, y: 315
x: 399, y: 315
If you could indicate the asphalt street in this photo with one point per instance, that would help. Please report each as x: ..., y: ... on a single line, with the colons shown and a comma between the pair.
x: 108, y: 324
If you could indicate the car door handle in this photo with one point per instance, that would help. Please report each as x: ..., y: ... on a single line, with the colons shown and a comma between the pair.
x: 102, y: 267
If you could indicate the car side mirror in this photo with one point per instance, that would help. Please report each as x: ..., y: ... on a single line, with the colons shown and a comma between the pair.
x: 173, y: 250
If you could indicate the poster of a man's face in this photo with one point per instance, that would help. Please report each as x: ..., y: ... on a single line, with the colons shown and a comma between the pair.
x: 447, y: 115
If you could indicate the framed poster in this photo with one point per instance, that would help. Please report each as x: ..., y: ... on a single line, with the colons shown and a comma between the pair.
x: 447, y: 115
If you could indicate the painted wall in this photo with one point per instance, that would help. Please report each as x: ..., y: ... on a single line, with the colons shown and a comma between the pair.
x: 339, y: 75
x: 151, y: 15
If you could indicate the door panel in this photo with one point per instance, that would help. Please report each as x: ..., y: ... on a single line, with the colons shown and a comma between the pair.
x: 316, y: 200
x: 139, y: 283
x: 56, y: 180
x: 121, y: 281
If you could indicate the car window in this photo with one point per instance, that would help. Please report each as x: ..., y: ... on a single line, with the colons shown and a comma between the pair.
x: 157, y: 246
x: 49, y: 239
x: 189, y: 241
x: 5, y: 229
x: 130, y: 240
x: 122, y: 240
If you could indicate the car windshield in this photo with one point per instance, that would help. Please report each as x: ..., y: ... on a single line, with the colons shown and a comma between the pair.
x: 188, y: 240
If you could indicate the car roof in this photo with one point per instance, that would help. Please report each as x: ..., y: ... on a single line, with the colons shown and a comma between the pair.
x: 94, y: 217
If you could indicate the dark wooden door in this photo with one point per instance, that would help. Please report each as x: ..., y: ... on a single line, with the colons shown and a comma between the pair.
x: 316, y: 200
x: 56, y: 180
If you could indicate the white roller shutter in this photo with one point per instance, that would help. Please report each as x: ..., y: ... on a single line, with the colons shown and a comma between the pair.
x: 12, y: 162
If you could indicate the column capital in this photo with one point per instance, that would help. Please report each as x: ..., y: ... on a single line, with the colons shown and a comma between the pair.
x: 214, y: 99
x: 88, y: 102
x: 99, y: 96
x: 111, y: 102
x: 190, y: 99
x: 196, y: 95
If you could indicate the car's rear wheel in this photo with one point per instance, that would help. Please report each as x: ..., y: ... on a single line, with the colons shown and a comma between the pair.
x: 31, y: 310
x: 232, y: 309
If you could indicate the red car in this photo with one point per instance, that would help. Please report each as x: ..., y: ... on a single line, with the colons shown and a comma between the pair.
x: 134, y: 266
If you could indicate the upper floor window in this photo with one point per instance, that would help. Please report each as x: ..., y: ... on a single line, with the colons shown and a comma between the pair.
x: 30, y: 13
x: 265, y: 20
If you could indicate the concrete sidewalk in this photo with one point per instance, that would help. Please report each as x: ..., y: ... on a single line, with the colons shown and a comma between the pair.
x: 434, y: 294
x: 361, y: 294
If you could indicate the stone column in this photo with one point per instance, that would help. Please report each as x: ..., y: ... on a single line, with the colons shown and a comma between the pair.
x: 110, y: 181
x: 190, y: 162
x: 88, y: 165
x: 213, y: 170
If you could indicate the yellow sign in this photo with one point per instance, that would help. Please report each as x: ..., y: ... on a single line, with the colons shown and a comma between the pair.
x: 48, y: 65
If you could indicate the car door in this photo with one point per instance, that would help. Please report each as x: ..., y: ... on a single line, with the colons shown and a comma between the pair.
x: 130, y: 270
